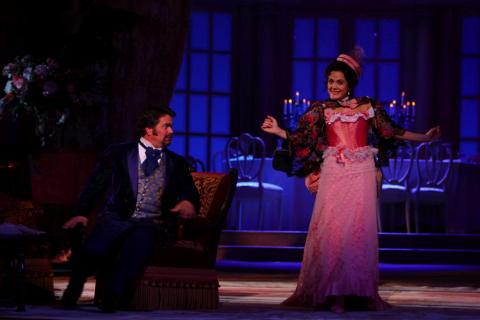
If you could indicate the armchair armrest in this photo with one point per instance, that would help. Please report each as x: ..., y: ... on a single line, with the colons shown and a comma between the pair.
x: 195, y: 226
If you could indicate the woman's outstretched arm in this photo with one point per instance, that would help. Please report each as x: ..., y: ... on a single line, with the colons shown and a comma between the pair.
x: 430, y: 135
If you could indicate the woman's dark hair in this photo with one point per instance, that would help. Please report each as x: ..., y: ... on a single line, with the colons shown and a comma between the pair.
x: 348, y: 72
x: 149, y: 118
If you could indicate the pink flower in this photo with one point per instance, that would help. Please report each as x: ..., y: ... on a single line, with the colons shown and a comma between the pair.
x: 328, y: 113
x: 302, y: 153
x: 385, y: 133
x: 19, y: 82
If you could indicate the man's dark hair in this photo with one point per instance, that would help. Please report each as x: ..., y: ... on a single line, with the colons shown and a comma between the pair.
x: 149, y: 118
x: 348, y: 72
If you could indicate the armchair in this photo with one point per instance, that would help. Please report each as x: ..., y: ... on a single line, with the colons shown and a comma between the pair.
x: 183, y: 276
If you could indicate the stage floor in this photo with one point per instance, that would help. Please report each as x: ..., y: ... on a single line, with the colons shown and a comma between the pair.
x: 415, y: 291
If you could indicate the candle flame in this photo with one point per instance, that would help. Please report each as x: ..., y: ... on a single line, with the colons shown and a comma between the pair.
x: 413, y: 103
x: 403, y: 93
x: 297, y: 93
x: 394, y: 101
x: 290, y: 100
x: 404, y: 107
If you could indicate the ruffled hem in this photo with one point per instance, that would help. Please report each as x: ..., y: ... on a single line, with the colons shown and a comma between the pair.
x: 371, y: 302
x: 331, y: 116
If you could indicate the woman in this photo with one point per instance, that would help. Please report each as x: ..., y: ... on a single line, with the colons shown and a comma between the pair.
x: 341, y: 252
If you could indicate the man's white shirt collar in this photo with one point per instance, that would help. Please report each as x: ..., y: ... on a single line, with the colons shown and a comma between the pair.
x: 141, y: 150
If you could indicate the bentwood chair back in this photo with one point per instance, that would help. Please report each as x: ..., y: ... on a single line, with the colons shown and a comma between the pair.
x: 396, y: 186
x: 433, y: 162
x: 246, y: 153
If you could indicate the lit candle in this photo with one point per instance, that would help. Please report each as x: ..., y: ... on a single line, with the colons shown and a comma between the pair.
x: 402, y: 101
x: 413, y: 109
x: 290, y: 107
x: 297, y: 97
x: 409, y: 109
x: 304, y: 105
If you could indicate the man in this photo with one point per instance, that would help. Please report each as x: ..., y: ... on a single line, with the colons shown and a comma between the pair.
x: 149, y: 186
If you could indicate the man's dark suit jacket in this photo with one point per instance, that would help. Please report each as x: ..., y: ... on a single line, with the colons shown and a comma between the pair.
x: 117, y: 171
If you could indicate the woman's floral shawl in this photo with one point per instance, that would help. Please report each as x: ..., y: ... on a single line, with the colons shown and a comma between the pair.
x: 308, y: 141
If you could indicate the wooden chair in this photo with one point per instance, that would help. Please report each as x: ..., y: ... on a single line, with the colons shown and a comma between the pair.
x: 183, y: 276
x: 433, y: 161
x: 395, y: 186
x: 247, y: 154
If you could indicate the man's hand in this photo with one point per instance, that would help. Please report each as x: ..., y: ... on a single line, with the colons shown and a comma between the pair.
x: 74, y: 221
x: 185, y: 209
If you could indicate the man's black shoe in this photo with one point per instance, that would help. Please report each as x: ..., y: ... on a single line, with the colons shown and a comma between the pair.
x: 70, y: 298
x: 67, y: 304
x: 72, y: 293
x: 109, y: 303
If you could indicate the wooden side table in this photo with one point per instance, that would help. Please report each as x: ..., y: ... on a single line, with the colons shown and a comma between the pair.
x: 12, y: 249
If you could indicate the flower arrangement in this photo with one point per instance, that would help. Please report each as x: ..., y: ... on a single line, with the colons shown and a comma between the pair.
x: 45, y: 92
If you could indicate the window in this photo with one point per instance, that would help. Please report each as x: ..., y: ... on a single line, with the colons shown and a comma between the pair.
x: 470, y: 86
x: 203, y: 93
x: 315, y: 45
x: 380, y: 38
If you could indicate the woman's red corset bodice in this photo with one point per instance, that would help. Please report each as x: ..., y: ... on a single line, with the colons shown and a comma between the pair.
x: 351, y: 135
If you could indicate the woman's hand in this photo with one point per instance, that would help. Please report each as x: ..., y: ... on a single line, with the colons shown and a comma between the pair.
x: 270, y: 125
x: 433, y: 134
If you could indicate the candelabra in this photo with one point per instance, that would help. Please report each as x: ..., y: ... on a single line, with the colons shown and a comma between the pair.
x: 293, y: 109
x: 404, y: 113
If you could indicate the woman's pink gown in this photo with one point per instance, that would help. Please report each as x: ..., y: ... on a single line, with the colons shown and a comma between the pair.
x: 341, y: 250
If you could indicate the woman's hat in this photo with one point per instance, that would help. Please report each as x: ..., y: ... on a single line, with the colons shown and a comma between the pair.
x: 351, y: 62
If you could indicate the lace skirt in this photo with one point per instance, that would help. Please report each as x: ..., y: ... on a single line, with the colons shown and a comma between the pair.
x: 341, y: 252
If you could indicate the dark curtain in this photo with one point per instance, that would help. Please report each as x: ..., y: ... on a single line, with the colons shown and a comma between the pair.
x: 149, y: 57
x: 132, y: 48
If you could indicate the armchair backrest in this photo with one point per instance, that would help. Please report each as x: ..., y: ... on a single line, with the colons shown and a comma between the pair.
x: 216, y: 193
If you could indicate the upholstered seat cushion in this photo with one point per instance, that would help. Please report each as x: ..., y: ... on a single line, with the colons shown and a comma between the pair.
x: 255, y: 185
